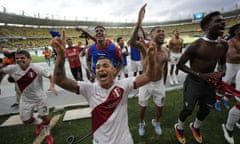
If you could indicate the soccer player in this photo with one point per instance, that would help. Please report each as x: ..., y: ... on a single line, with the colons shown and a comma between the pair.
x: 233, y: 116
x: 107, y: 96
x: 156, y: 88
x: 232, y: 65
x: 103, y: 47
x: 28, y: 78
x: 175, y: 47
x: 125, y: 53
x: 203, y: 56
x: 9, y: 58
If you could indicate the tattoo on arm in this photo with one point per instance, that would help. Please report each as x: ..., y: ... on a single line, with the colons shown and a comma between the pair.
x: 59, y: 72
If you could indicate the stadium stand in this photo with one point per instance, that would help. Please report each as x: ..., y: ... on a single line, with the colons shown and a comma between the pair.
x: 30, y: 32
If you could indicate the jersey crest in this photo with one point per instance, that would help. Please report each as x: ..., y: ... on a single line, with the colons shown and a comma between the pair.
x: 102, y: 112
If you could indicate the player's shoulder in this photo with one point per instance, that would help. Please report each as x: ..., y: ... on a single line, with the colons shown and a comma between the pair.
x: 11, y: 66
x: 224, y: 43
x: 164, y: 47
x: 35, y: 66
x: 181, y: 38
x: 197, y: 42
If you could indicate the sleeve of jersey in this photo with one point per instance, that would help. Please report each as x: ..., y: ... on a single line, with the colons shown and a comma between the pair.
x: 44, y: 71
x: 7, y: 69
x: 85, y: 89
x: 129, y: 82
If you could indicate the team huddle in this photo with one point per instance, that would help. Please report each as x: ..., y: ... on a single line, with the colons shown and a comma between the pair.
x: 212, y: 65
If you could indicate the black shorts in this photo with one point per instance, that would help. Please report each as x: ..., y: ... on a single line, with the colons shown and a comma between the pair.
x: 198, y: 90
x: 77, y: 71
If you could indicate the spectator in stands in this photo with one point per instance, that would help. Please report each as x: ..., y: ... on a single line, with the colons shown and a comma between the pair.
x: 232, y: 65
x: 103, y: 47
x: 175, y: 47
x: 73, y: 56
x: 29, y: 81
x: 154, y: 88
x: 125, y: 53
x: 203, y: 56
x: 47, y: 55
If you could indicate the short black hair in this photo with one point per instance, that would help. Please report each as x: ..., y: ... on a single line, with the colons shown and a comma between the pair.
x: 105, y: 57
x: 118, y: 39
x: 99, y: 26
x: 205, y: 21
x: 233, y: 28
x: 154, y: 28
x: 24, y: 52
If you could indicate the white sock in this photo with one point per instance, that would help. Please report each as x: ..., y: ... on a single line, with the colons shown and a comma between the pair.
x: 180, y: 124
x: 197, y: 123
x: 225, y: 98
x: 37, y: 120
x: 46, y: 130
x: 233, y: 117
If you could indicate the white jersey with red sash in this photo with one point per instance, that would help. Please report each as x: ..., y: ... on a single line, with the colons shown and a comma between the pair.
x: 29, y: 81
x: 109, y: 111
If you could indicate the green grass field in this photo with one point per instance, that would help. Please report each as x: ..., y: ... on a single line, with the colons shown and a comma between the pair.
x: 211, y: 127
x: 36, y: 59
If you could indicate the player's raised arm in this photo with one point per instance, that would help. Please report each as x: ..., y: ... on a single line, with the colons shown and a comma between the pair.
x: 133, y: 39
x: 151, y: 67
x: 60, y: 77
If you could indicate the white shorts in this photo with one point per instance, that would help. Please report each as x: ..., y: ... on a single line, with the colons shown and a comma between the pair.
x: 124, y: 70
x: 155, y: 89
x: 26, y: 109
x: 174, y: 58
x: 231, y: 71
x: 238, y: 81
x: 136, y: 66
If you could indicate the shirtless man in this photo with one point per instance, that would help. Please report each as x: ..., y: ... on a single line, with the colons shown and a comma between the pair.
x: 175, y: 47
x: 233, y: 55
x: 156, y: 88
x: 232, y: 65
x: 203, y: 56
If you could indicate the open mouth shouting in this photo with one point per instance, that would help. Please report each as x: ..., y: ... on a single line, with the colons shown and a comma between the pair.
x: 102, y: 76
